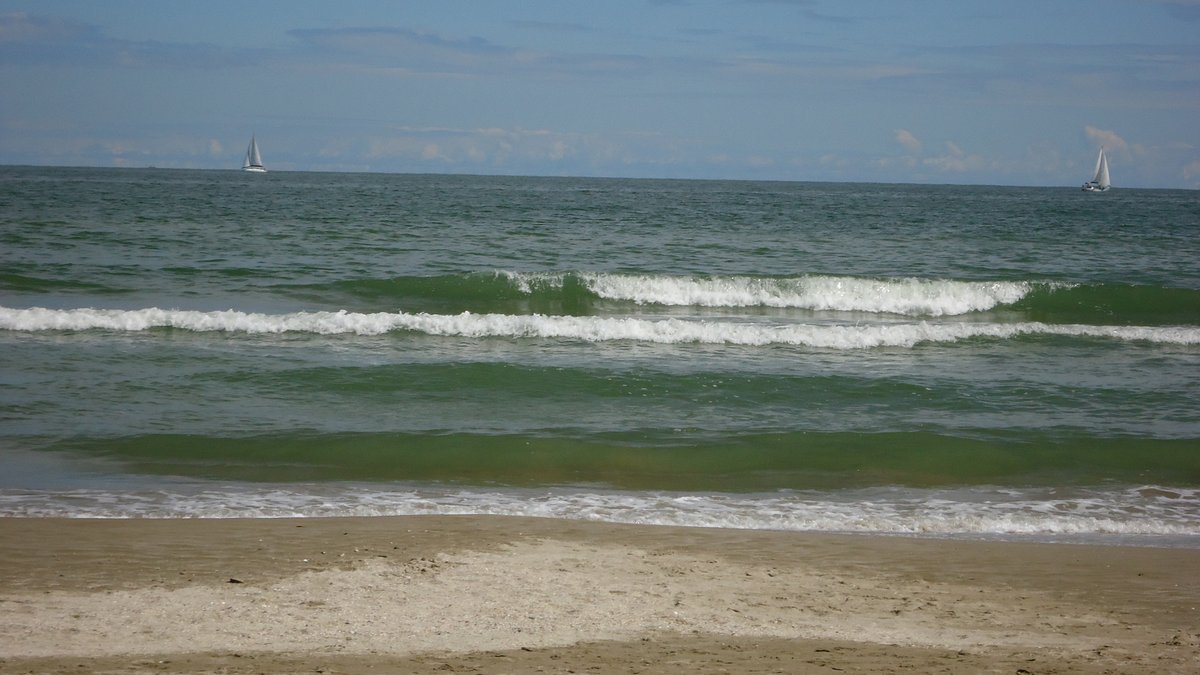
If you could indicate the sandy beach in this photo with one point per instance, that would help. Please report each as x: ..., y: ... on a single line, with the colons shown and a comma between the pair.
x: 512, y: 595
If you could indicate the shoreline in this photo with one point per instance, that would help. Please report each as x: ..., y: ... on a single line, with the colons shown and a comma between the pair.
x: 513, y: 594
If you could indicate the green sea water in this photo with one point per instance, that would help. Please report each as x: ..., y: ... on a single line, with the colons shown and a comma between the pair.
x: 948, y: 360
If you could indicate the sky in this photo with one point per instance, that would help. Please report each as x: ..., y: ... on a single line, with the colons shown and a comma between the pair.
x: 907, y: 91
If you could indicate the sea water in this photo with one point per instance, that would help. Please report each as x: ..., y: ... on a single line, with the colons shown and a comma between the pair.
x: 966, y: 361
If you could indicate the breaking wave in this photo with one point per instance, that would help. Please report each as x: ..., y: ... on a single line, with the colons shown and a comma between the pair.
x: 582, y: 328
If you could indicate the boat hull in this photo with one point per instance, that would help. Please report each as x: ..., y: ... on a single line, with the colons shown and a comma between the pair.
x: 254, y: 169
x: 1094, y: 187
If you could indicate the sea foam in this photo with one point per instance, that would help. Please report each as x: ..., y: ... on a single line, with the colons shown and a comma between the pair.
x: 913, y: 297
x: 1088, y: 514
x: 582, y: 328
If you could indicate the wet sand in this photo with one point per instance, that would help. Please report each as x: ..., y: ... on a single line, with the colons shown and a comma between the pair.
x: 516, y: 595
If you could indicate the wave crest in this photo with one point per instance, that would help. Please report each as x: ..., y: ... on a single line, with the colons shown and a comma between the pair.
x: 585, y: 328
x: 906, y: 296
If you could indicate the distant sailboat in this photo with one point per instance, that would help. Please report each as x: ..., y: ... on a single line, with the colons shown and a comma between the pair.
x: 1099, y: 182
x: 253, y: 159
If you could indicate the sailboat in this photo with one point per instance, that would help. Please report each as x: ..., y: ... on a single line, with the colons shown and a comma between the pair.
x: 1099, y: 182
x: 253, y: 159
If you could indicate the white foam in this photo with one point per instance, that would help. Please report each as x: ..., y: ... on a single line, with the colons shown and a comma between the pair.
x: 585, y: 328
x: 905, y: 296
x: 1143, y: 512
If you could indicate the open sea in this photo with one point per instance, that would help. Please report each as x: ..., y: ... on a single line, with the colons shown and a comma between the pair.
x: 947, y: 361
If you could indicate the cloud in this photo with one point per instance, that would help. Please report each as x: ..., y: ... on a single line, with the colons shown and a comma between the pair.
x: 514, y: 151
x: 805, y: 7
x: 406, y: 51
x: 1186, y: 10
x: 400, y: 44
x: 403, y: 51
x: 905, y: 137
x: 45, y: 40
x: 24, y: 28
x: 552, y: 26
x: 1106, y: 137
x: 1191, y: 173
x: 955, y: 160
x: 474, y: 146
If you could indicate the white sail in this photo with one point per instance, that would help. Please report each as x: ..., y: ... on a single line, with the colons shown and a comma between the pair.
x: 253, y: 158
x: 1102, y: 171
x: 1100, y: 181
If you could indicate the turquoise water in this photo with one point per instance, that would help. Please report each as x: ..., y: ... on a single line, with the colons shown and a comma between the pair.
x: 943, y: 360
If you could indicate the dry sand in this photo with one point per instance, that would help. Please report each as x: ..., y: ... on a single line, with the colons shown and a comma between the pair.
x: 513, y: 595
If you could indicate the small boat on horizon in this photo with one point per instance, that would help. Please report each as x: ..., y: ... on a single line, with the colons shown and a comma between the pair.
x: 253, y: 161
x: 1100, y: 181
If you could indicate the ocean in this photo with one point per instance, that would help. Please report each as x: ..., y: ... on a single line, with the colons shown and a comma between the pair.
x: 941, y: 361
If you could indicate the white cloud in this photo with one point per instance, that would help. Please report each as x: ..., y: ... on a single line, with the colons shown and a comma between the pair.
x: 1106, y: 137
x: 431, y: 151
x: 955, y: 163
x: 21, y: 27
x: 501, y: 148
x: 905, y: 137
x: 955, y: 160
x: 834, y: 161
x: 1191, y: 173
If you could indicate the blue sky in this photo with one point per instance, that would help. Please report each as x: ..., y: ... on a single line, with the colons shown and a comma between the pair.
x: 913, y: 91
